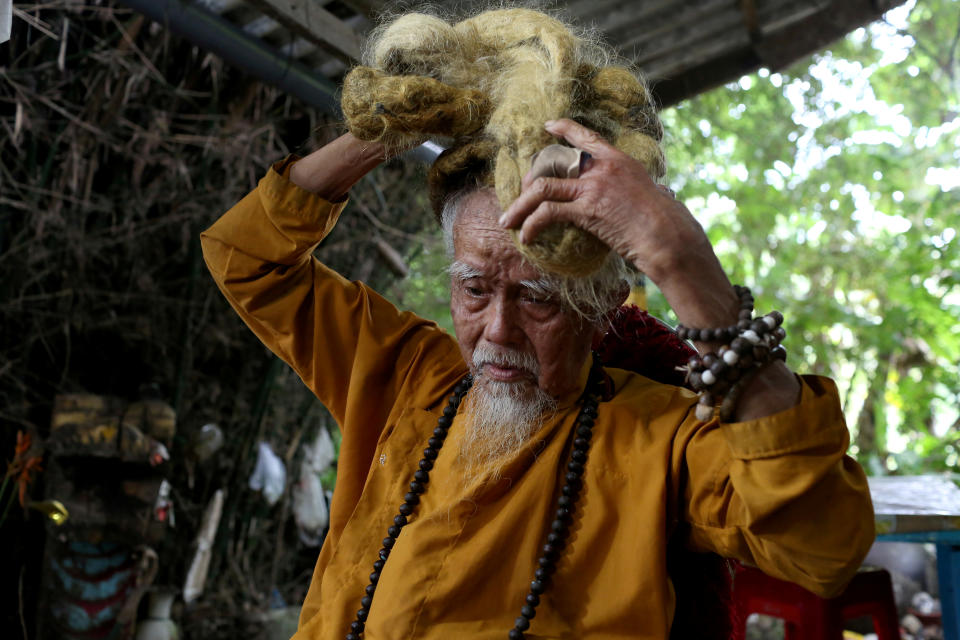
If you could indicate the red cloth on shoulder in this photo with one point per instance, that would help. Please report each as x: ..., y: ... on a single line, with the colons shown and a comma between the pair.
x: 639, y: 342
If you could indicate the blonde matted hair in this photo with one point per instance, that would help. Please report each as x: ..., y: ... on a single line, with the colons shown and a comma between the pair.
x: 486, y: 85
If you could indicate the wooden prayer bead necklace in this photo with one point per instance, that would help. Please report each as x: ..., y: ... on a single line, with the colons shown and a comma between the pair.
x: 556, y: 539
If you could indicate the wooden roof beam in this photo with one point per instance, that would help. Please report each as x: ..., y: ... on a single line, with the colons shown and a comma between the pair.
x: 614, y: 12
x: 690, y: 33
x: 704, y: 53
x: 681, y: 40
x: 262, y: 26
x: 779, y: 49
x: 308, y: 19
x: 368, y: 8
x: 630, y: 30
x: 688, y: 18
x: 718, y: 62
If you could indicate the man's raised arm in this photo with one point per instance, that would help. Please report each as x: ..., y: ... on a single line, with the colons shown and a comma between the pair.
x: 333, y: 169
x: 339, y: 336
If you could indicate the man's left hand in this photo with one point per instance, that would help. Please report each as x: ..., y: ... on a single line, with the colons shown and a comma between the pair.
x: 614, y: 199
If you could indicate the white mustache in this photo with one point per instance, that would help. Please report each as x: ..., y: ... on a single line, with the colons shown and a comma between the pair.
x: 486, y: 353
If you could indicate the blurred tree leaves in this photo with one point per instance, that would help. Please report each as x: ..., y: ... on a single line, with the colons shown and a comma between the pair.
x: 832, y: 189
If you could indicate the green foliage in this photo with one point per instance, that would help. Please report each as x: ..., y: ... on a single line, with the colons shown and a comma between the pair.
x: 426, y: 290
x: 819, y: 187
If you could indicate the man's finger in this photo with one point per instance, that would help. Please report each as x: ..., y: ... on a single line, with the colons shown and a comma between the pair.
x: 546, y: 214
x: 539, y: 191
x: 580, y: 137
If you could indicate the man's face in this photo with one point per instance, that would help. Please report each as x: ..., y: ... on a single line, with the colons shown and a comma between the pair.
x: 500, y: 313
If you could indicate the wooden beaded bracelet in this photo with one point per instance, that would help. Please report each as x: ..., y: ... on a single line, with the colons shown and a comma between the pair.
x: 720, y: 377
x: 723, y: 334
x: 729, y: 403
x: 713, y: 375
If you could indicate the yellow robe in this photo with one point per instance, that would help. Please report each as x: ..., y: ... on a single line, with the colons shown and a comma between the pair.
x: 777, y: 492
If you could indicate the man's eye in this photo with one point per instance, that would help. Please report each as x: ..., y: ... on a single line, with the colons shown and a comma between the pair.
x: 534, y: 299
x: 473, y: 291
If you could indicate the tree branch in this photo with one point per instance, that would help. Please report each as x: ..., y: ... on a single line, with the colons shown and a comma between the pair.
x: 951, y: 54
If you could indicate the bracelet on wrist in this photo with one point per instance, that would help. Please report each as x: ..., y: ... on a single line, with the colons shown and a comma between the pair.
x: 723, y: 333
x: 719, y: 377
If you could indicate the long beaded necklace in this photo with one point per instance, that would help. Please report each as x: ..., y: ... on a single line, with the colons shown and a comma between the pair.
x: 555, y: 540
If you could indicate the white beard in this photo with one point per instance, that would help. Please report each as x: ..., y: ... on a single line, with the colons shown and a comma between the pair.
x: 503, y: 416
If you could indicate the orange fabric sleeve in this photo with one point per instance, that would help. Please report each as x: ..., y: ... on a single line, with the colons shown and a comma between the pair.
x: 779, y: 492
x: 342, y: 338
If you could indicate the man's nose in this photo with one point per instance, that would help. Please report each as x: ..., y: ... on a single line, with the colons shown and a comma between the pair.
x: 502, y: 326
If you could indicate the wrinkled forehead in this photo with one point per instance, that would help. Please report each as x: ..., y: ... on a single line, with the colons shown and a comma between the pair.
x: 477, y: 233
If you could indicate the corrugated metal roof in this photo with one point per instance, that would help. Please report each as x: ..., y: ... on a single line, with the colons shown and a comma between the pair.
x: 684, y: 46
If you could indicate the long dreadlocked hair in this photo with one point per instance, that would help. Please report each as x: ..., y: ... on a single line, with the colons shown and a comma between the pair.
x: 486, y: 85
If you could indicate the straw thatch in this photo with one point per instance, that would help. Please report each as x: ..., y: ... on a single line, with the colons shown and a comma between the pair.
x: 120, y: 143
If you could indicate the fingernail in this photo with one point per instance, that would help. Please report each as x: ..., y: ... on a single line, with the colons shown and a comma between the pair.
x: 549, y: 123
x: 503, y: 220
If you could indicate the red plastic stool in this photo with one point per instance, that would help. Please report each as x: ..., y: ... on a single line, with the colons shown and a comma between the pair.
x: 809, y: 617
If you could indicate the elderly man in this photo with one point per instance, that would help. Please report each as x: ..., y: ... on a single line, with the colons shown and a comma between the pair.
x: 540, y: 500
